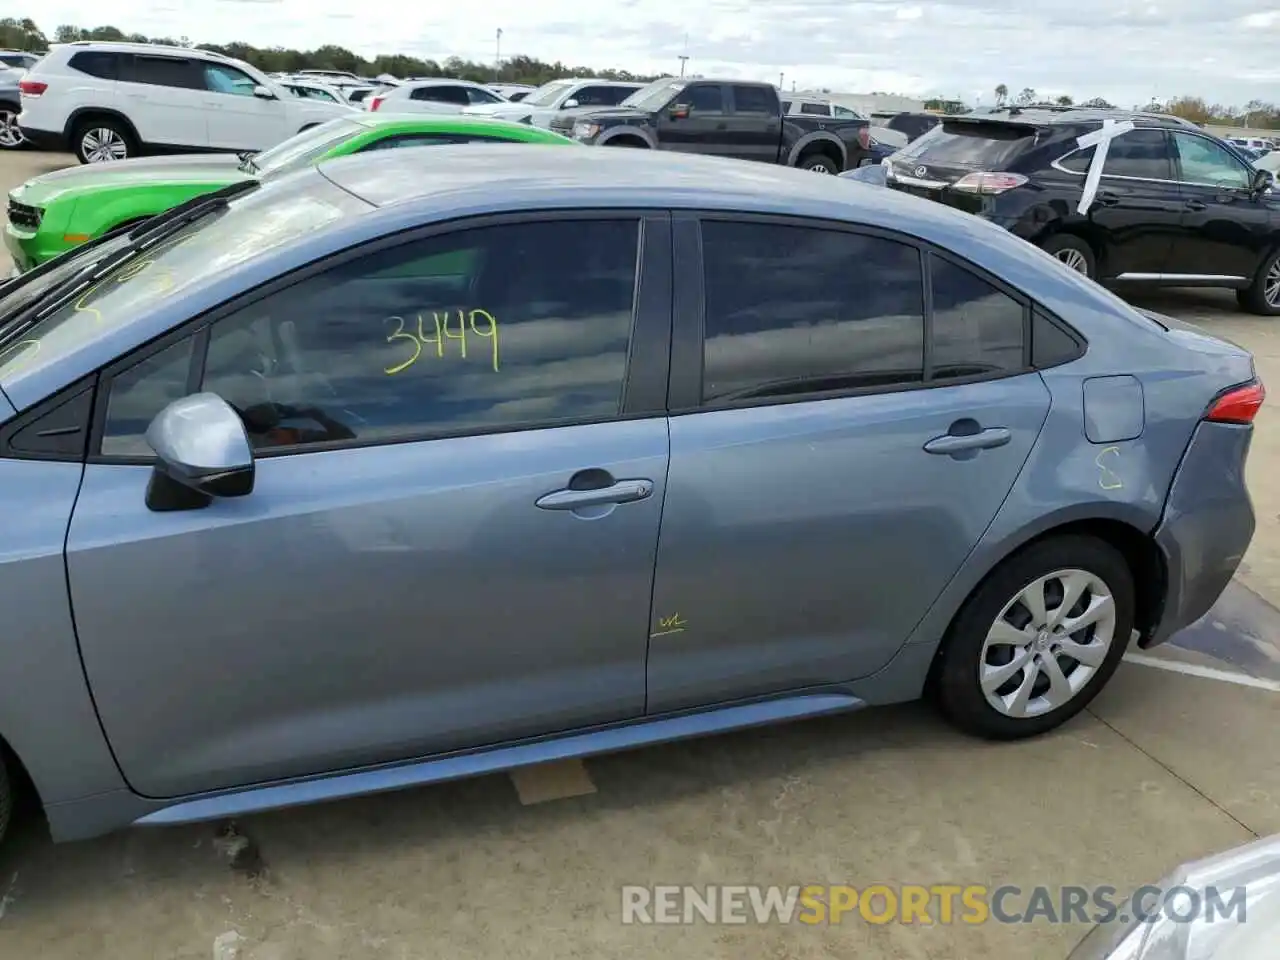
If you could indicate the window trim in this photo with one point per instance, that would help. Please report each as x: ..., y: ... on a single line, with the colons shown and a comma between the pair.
x: 1177, y: 162
x: 689, y: 312
x: 648, y: 353
x: 1169, y: 134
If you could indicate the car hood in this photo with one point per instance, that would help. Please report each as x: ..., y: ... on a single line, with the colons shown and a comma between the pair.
x: 216, y: 168
x: 605, y: 114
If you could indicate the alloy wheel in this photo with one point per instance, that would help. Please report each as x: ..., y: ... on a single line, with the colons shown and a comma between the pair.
x: 10, y: 135
x: 102, y: 144
x: 1047, y: 643
x: 1073, y: 259
x: 1271, y: 285
x: 820, y: 168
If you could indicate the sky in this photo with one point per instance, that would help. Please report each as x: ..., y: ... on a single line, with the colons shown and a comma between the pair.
x: 1127, y: 51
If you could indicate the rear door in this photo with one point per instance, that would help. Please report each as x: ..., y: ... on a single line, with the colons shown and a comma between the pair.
x: 755, y: 123
x: 828, y: 474
x: 1225, y: 229
x: 1137, y: 212
x: 164, y: 99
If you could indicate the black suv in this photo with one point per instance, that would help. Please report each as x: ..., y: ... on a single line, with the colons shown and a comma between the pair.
x: 1174, y: 206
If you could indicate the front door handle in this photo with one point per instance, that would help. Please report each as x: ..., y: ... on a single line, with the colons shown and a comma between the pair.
x: 1196, y: 205
x: 623, y: 491
x: 951, y: 444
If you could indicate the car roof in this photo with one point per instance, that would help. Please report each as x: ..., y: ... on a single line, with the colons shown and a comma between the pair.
x: 440, y: 81
x: 127, y: 46
x: 1050, y: 115
x: 438, y: 122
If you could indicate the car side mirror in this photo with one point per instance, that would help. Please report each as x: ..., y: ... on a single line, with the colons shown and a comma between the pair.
x: 263, y: 93
x: 202, y: 452
x: 679, y: 111
x: 1263, y: 180
x: 570, y: 104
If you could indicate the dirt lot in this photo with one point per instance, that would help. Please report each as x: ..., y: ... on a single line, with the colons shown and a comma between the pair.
x: 1164, y: 767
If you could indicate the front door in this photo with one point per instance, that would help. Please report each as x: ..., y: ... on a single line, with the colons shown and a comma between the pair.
x: 704, y: 129
x: 1226, y: 229
x: 824, y: 487
x: 451, y: 538
x: 238, y: 120
x: 1137, y: 212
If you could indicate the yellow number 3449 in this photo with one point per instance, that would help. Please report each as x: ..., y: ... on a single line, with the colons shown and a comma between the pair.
x: 480, y: 323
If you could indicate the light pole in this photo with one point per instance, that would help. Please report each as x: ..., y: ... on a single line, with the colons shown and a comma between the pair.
x: 781, y: 77
x: 497, y: 55
x: 682, y: 58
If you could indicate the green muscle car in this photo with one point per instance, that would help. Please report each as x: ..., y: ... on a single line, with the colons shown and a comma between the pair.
x: 57, y: 211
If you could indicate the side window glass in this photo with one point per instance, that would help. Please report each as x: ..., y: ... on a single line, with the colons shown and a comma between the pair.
x: 786, y: 106
x: 160, y: 72
x: 1050, y: 344
x: 477, y: 95
x: 139, y: 393
x: 797, y: 310
x: 977, y: 329
x: 615, y: 95
x: 484, y: 329
x: 227, y: 80
x: 1078, y: 162
x: 95, y: 64
x: 815, y: 109
x: 1143, y: 154
x: 751, y: 100
x: 592, y: 97
x: 1203, y: 161
x: 407, y: 140
x: 705, y: 98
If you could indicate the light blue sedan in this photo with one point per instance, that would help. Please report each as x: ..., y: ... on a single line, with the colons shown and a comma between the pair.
x: 407, y: 468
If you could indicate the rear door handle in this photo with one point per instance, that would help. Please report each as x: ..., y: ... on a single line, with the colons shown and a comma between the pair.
x: 950, y: 443
x: 624, y: 491
x: 1196, y: 205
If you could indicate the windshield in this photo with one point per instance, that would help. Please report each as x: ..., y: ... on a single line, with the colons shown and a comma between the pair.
x: 30, y: 288
x: 546, y: 94
x: 305, y: 148
x: 655, y: 95
x: 245, y: 228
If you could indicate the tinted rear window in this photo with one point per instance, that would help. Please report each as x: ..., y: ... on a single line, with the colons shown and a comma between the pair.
x: 989, y: 146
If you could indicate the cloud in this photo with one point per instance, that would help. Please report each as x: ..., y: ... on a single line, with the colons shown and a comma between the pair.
x: 1124, y: 50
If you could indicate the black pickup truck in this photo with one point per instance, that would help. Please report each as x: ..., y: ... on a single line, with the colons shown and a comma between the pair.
x: 724, y: 118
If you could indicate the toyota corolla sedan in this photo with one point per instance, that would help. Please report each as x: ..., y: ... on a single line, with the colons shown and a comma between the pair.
x: 405, y: 468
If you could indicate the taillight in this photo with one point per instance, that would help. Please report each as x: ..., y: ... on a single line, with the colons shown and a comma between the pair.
x: 988, y: 183
x: 864, y: 138
x: 1238, y: 405
x: 32, y: 88
x: 375, y: 103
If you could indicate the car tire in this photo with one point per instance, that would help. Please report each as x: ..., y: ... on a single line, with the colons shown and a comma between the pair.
x: 819, y: 163
x: 1262, y: 296
x: 11, y: 137
x: 976, y: 683
x: 101, y: 140
x: 1073, y: 252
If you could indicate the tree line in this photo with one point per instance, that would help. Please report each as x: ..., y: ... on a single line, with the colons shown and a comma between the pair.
x: 24, y: 34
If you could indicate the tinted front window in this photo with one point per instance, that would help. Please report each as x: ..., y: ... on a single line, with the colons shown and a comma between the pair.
x: 223, y: 79
x: 704, y: 98
x: 497, y: 327
x: 477, y: 95
x: 980, y: 146
x: 441, y: 94
x: 141, y: 392
x: 796, y: 310
x: 1143, y: 154
x: 595, y: 97
x: 1203, y: 161
x: 160, y: 71
x: 250, y: 226
x: 977, y: 329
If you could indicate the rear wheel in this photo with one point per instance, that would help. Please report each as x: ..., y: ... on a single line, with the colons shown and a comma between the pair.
x: 819, y: 163
x: 1262, y: 296
x: 11, y: 137
x: 1037, y: 640
x: 1073, y: 252
x: 103, y: 140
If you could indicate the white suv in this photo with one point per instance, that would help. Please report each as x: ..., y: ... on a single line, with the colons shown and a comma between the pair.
x: 109, y: 101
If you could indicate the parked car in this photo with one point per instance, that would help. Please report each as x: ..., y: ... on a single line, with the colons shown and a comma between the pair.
x: 10, y: 106
x: 541, y: 106
x: 584, y: 382
x: 725, y: 118
x: 872, y: 173
x: 111, y: 101
x: 809, y: 107
x: 1180, y: 925
x: 877, y: 150
x: 20, y: 60
x: 911, y: 125
x: 433, y: 96
x: 309, y: 89
x: 1175, y: 206
x: 54, y: 212
x: 515, y: 92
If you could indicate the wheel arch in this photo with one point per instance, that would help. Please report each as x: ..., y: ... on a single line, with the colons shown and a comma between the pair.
x: 818, y: 142
x: 624, y: 137
x: 88, y: 113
